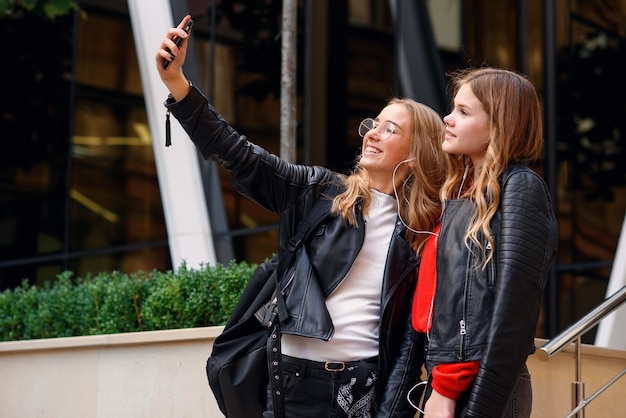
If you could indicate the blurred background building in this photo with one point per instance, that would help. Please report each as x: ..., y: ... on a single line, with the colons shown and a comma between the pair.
x: 87, y: 185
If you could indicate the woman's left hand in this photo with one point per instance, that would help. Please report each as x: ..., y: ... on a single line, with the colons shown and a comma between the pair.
x: 439, y: 406
x: 173, y: 76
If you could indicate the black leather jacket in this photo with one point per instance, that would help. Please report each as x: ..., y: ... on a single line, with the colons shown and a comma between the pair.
x: 491, y: 314
x: 291, y: 190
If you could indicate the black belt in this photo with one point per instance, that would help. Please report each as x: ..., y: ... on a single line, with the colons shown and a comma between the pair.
x: 324, y: 368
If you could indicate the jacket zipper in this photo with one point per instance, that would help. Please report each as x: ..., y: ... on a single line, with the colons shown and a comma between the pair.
x: 462, y: 323
x: 293, y: 274
x: 491, y: 266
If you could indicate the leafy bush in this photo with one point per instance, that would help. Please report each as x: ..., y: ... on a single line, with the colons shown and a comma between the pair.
x: 115, y: 302
x: 48, y: 8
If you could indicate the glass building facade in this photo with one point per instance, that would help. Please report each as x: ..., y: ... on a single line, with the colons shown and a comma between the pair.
x: 80, y: 184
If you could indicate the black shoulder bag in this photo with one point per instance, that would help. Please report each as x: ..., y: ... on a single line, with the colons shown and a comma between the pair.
x: 238, y: 368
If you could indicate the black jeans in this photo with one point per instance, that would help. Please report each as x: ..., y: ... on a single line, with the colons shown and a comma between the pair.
x: 519, y: 405
x: 321, y: 390
x: 521, y: 401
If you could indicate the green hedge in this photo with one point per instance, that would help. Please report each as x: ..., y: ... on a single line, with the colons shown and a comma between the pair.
x: 50, y: 9
x: 115, y: 302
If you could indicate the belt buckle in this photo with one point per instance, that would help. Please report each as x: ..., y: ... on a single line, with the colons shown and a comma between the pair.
x: 334, y: 366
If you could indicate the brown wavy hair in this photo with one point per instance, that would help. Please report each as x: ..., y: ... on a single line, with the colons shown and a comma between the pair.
x: 418, y: 194
x: 515, y: 136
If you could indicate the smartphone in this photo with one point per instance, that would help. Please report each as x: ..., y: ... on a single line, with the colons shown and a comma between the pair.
x: 178, y: 41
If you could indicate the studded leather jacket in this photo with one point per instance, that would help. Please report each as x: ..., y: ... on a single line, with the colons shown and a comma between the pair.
x: 491, y: 314
x: 291, y: 190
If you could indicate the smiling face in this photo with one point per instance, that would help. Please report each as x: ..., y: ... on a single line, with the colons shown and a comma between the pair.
x: 467, y: 127
x: 380, y: 158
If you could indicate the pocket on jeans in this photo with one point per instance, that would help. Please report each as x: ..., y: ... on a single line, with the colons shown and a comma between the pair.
x: 522, y: 398
x: 290, y: 380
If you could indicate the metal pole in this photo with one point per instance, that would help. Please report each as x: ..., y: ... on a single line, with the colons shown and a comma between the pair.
x: 583, y: 404
x: 523, y: 36
x: 288, y: 83
x: 549, y: 94
x: 583, y: 325
x: 578, y: 387
x: 213, y: 26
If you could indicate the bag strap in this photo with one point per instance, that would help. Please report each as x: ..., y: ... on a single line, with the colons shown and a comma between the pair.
x: 318, y: 212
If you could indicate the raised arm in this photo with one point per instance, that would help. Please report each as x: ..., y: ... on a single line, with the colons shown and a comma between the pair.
x: 173, y: 77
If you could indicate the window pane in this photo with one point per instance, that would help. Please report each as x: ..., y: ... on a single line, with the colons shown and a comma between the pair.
x: 34, y: 117
x: 115, y: 198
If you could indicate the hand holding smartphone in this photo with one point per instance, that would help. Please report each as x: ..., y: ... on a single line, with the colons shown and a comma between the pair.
x: 178, y: 41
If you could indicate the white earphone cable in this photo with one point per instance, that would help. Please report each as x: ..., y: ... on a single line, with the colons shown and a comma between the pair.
x: 395, y: 192
x: 463, y: 181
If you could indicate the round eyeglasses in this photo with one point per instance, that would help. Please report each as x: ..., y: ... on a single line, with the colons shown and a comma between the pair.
x: 385, y: 129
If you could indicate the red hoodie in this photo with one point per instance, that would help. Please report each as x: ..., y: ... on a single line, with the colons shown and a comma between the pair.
x: 449, y: 379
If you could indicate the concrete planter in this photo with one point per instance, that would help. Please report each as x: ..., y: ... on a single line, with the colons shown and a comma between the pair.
x: 161, y: 374
x: 144, y: 374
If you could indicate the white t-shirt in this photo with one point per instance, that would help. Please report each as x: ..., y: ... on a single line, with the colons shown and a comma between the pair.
x: 354, y: 306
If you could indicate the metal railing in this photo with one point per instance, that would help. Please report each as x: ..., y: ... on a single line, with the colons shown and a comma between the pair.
x: 573, y: 334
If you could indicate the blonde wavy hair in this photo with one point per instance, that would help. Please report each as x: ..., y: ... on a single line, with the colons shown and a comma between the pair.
x: 515, y: 136
x: 418, y: 194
